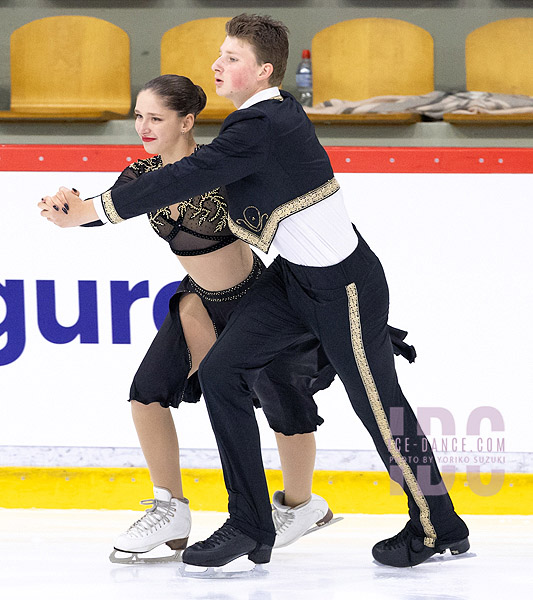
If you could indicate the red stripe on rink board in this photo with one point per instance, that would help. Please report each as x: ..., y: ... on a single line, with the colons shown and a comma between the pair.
x: 68, y: 158
x: 345, y: 159
x: 430, y: 160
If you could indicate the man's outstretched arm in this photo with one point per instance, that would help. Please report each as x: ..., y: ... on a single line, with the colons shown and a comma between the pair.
x: 240, y: 150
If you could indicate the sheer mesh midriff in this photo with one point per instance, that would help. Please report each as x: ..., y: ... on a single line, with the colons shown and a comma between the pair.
x: 195, y: 226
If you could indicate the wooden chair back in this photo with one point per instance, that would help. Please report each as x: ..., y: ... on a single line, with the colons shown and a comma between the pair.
x: 72, y: 64
x: 363, y: 58
x: 499, y: 57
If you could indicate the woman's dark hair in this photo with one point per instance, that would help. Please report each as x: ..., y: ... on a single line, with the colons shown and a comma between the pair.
x: 179, y: 93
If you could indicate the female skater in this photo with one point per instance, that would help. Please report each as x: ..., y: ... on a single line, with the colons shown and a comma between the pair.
x: 221, y: 269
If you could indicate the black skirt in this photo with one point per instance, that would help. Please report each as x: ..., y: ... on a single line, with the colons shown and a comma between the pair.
x: 284, y: 389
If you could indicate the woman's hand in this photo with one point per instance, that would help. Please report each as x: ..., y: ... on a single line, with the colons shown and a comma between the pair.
x: 67, y: 209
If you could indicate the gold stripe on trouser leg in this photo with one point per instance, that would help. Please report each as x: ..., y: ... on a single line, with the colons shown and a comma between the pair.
x: 381, y: 418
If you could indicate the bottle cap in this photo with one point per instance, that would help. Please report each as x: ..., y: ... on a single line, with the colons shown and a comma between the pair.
x: 306, y: 54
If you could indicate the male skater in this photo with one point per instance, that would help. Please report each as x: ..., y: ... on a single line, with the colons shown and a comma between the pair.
x: 326, y: 280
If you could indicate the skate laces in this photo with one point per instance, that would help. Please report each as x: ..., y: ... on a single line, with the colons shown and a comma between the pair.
x: 282, y: 519
x: 155, y: 517
x: 223, y: 534
x: 400, y: 539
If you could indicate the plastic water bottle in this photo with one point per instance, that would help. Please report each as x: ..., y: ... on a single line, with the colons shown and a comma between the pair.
x: 304, y: 80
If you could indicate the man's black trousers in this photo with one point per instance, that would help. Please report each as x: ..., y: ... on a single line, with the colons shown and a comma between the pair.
x: 345, y: 306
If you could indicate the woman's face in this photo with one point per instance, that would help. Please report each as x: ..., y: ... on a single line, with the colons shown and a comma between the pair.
x: 159, y: 127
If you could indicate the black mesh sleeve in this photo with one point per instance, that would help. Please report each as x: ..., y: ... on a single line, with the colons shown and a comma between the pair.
x: 126, y: 176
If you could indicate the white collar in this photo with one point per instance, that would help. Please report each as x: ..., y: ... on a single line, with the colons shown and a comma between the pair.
x: 260, y: 96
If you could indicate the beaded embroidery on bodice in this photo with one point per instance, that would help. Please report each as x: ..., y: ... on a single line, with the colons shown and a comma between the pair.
x: 192, y: 227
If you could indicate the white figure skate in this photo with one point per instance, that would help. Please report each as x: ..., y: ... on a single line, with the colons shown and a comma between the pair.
x: 168, y: 521
x: 291, y: 523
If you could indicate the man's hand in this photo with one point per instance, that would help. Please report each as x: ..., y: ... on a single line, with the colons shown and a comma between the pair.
x: 66, y: 209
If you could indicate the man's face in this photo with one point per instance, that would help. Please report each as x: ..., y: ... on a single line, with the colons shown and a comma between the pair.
x: 238, y: 76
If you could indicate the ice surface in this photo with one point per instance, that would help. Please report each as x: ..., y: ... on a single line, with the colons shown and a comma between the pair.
x: 63, y: 554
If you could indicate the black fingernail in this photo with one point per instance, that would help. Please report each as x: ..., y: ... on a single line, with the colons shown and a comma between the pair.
x: 65, y: 210
x: 75, y: 190
x: 56, y: 207
x: 67, y: 206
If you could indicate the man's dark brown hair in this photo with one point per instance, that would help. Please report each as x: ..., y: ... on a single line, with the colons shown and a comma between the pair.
x: 268, y: 38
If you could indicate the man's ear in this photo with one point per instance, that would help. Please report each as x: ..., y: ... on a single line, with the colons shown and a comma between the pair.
x: 266, y: 71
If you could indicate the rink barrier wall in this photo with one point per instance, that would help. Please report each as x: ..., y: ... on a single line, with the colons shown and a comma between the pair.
x: 370, y: 492
x: 355, y: 491
x: 344, y: 159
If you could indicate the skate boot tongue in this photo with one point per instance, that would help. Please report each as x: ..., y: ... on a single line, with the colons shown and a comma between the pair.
x: 278, y: 502
x: 162, y: 494
x: 225, y: 534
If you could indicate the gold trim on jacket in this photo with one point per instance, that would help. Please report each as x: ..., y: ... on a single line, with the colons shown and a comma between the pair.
x: 254, y: 220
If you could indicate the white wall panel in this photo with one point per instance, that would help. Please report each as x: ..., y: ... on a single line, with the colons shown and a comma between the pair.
x: 456, y: 248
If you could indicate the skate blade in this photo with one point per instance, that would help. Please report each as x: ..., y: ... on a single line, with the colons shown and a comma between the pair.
x: 446, y: 556
x: 323, y: 525
x: 136, y: 558
x: 214, y: 573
